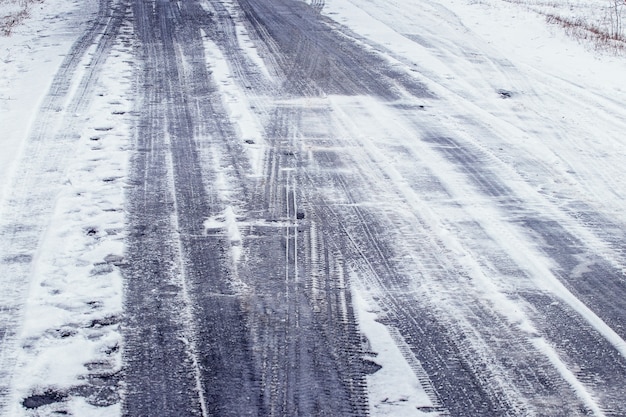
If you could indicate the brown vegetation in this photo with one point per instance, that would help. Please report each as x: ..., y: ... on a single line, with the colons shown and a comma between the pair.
x: 12, y: 13
x: 610, y: 37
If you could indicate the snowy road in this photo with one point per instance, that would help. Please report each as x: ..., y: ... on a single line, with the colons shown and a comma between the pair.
x: 340, y: 208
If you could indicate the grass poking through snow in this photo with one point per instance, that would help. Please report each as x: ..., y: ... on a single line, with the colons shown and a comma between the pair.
x: 602, y: 38
x: 598, y: 23
x: 12, y: 13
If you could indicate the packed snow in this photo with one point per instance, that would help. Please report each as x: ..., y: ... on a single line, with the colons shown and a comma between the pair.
x: 547, y: 107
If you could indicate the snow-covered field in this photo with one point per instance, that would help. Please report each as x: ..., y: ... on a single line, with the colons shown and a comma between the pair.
x: 546, y: 110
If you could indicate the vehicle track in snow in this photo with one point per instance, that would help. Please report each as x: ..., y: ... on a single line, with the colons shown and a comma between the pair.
x: 180, y: 306
x: 25, y: 214
x: 490, y: 394
x: 317, y: 60
x: 310, y: 357
x: 239, y: 272
x: 463, y: 344
x: 233, y: 340
x: 593, y: 280
x: 250, y: 312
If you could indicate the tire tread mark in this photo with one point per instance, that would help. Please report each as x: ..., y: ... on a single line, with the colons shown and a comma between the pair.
x: 26, y: 210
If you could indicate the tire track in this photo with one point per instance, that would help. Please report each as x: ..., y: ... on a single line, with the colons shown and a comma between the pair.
x: 606, y: 296
x: 220, y: 26
x: 310, y: 356
x: 278, y: 329
x: 180, y: 301
x: 477, y: 362
x: 27, y: 210
x: 300, y: 373
x: 503, y: 268
x: 598, y: 284
x: 316, y: 59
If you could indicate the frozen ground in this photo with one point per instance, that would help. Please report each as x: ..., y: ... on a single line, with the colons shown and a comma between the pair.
x: 340, y: 207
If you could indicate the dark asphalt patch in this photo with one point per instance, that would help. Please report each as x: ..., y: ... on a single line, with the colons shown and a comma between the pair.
x: 47, y: 397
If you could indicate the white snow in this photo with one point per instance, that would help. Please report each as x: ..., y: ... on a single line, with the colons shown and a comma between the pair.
x: 228, y: 224
x: 558, y: 138
x: 237, y: 104
x: 73, y: 305
x: 395, y: 389
x: 568, y: 375
x: 466, y: 51
x: 28, y: 59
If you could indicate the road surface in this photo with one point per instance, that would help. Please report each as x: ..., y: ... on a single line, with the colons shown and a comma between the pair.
x: 287, y: 178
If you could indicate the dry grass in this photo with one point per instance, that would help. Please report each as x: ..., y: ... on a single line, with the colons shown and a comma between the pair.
x: 604, y: 37
x: 597, y: 24
x: 12, y: 13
